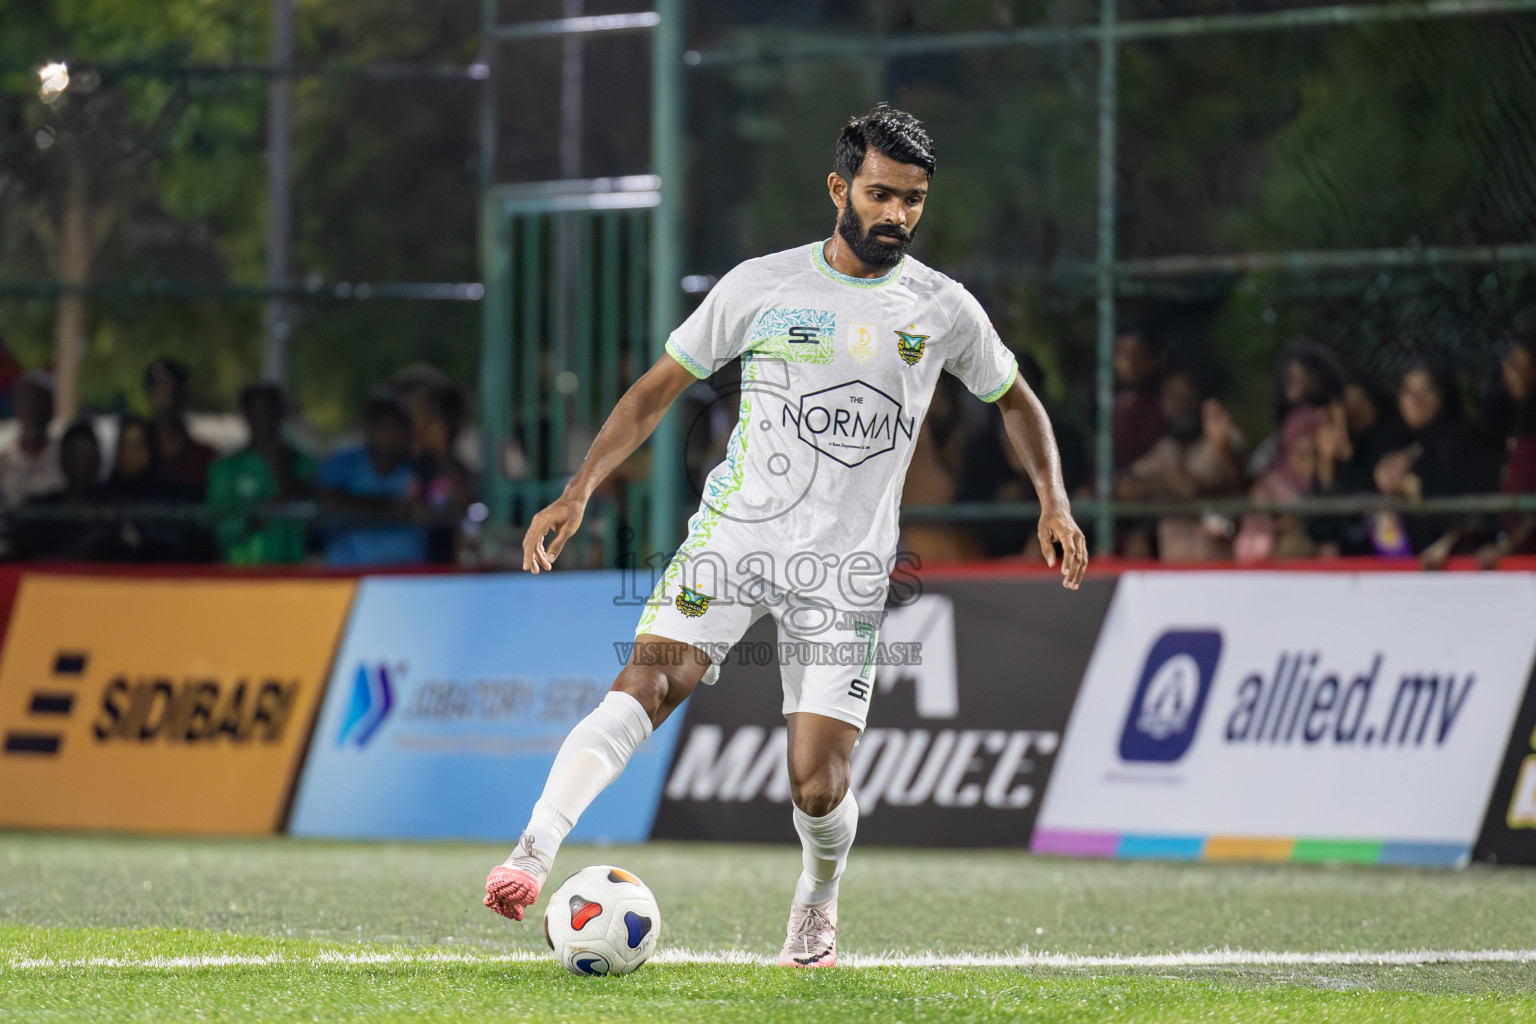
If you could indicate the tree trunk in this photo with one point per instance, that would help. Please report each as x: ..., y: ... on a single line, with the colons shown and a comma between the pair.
x: 73, y: 266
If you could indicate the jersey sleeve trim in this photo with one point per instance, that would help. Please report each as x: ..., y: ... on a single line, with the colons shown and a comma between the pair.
x: 1001, y: 390
x: 689, y: 363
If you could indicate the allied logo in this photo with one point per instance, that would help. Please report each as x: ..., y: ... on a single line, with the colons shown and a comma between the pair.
x: 863, y: 341
x: 910, y: 346
x: 1175, y: 681
x: 372, y: 698
x: 692, y: 603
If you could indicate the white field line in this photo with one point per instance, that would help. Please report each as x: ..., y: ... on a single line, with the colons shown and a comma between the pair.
x: 1024, y: 958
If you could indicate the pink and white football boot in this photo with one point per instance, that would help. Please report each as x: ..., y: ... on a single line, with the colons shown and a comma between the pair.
x: 812, y: 937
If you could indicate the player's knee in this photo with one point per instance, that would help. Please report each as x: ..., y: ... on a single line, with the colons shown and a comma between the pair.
x: 648, y: 685
x: 818, y: 792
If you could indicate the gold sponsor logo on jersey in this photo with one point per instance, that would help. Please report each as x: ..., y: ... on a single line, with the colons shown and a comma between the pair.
x: 863, y: 341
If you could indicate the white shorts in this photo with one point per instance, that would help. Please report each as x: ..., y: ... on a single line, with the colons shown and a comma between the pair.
x: 826, y: 654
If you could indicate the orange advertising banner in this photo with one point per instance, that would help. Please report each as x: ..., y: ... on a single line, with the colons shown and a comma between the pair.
x: 161, y: 705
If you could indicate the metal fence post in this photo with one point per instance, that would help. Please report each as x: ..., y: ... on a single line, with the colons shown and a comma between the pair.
x: 666, y: 241
x: 1104, y: 522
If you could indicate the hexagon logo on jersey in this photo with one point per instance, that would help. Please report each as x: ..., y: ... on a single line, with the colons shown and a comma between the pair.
x: 851, y: 423
x: 910, y: 346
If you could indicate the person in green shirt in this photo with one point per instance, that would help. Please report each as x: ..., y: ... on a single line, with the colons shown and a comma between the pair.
x: 267, y: 469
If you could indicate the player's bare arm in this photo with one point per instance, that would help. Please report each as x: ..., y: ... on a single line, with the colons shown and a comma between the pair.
x: 1029, y: 430
x: 627, y: 427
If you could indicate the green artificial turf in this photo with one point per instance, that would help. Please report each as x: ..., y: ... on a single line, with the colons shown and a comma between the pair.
x: 308, y: 911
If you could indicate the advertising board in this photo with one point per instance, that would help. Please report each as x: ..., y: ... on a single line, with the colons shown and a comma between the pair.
x: 965, y: 718
x: 1301, y: 716
x: 161, y: 705
x: 449, y: 698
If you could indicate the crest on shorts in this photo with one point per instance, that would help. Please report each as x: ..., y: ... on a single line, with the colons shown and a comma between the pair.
x: 910, y: 346
x: 692, y: 603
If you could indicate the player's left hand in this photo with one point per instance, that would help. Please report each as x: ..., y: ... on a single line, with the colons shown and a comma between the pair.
x: 1058, y: 527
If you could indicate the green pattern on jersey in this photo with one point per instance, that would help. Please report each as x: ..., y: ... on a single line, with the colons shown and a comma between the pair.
x: 717, y: 497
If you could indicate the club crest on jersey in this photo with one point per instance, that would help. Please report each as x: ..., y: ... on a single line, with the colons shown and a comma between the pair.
x: 863, y: 341
x: 910, y: 346
x: 692, y: 603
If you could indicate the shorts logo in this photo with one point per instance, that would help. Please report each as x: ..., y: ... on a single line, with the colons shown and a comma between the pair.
x: 692, y: 603
x: 910, y: 346
x: 1175, y: 681
x: 863, y: 341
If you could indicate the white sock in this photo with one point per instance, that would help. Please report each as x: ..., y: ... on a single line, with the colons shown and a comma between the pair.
x: 824, y: 845
x: 591, y: 757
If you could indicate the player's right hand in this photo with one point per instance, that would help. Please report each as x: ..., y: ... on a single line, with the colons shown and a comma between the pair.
x: 563, y: 516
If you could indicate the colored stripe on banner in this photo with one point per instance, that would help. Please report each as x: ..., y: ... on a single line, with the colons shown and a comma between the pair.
x: 1247, y: 848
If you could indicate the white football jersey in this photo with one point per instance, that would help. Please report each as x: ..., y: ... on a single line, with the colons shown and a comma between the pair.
x: 837, y: 374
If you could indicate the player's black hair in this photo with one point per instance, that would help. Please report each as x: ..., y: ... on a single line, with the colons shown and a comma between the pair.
x: 893, y: 132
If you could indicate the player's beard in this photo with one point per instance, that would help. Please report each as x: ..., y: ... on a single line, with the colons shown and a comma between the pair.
x: 863, y: 245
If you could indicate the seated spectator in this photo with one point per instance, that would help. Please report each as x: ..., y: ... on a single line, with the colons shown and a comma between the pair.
x: 1138, y: 421
x: 446, y: 487
x: 54, y: 533
x: 1443, y: 456
x: 1309, y: 375
x: 375, y: 476
x: 136, y: 480
x: 1264, y: 536
x: 1200, y: 458
x: 135, y: 476
x: 990, y: 471
x: 183, y: 459
x: 1509, y: 415
x: 267, y: 469
x: 29, y: 465
x: 932, y: 477
x: 1358, y: 430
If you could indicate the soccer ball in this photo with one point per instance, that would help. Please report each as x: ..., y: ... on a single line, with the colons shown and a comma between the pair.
x: 602, y: 920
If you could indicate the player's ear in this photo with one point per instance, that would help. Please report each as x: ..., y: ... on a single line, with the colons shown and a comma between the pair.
x: 837, y: 188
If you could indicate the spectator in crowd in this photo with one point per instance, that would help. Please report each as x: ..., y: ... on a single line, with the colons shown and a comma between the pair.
x: 1509, y: 414
x: 1358, y: 430
x: 445, y: 485
x: 376, y: 477
x: 1264, y: 536
x: 1443, y: 456
x: 135, y: 475
x: 29, y: 465
x: 1201, y: 457
x: 11, y: 372
x: 990, y: 471
x: 268, y: 469
x: 145, y: 535
x: 1309, y: 375
x: 70, y: 537
x: 183, y: 459
x: 932, y: 477
x: 1139, y: 422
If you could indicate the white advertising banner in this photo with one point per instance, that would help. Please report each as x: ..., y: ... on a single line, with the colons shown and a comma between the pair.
x: 1292, y: 716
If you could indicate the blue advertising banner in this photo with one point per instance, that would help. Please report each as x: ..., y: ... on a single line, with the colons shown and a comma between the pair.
x: 449, y: 698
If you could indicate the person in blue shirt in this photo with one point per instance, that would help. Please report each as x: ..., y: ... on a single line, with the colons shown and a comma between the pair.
x: 375, y: 476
